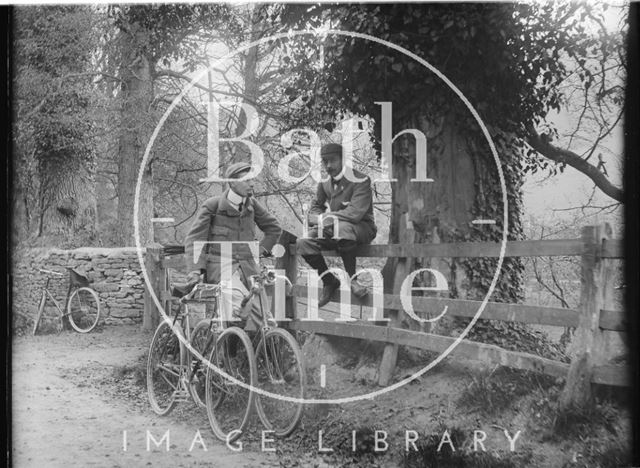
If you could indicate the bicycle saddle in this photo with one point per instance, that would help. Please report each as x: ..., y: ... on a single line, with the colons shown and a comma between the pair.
x: 181, y: 289
x: 77, y: 278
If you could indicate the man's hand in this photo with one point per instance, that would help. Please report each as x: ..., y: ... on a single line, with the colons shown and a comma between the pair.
x: 313, y: 219
x: 194, y: 277
x: 265, y: 253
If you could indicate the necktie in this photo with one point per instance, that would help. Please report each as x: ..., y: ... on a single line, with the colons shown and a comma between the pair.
x: 240, y: 206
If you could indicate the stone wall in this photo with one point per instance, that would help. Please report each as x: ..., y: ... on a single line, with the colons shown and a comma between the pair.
x: 114, y: 273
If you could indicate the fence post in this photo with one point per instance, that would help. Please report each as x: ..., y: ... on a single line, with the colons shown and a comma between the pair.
x: 154, y: 266
x: 595, y: 274
x: 400, y: 272
x: 289, y: 262
x: 390, y: 353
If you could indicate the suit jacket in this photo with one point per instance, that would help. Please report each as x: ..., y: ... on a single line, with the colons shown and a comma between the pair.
x: 351, y: 203
x: 218, y: 220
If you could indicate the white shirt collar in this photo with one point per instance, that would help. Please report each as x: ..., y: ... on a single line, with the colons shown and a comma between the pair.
x: 339, y: 177
x: 234, y: 198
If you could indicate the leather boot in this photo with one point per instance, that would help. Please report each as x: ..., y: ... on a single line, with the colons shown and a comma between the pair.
x: 331, y: 285
x: 358, y: 290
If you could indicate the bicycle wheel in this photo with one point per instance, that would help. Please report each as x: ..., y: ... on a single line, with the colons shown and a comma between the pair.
x: 83, y: 310
x: 39, y: 314
x: 228, y: 403
x: 163, y: 369
x: 200, y: 337
x: 280, y: 371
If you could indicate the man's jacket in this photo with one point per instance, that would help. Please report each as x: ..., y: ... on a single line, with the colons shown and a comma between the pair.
x: 217, y: 220
x: 351, y: 203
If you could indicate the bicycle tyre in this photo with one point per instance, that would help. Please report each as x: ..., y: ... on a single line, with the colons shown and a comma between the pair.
x: 197, y: 383
x: 281, y: 371
x: 83, y: 309
x: 228, y: 404
x: 166, y: 357
x: 39, y: 314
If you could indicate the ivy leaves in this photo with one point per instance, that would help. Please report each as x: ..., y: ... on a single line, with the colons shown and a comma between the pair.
x: 506, y: 58
x: 171, y: 29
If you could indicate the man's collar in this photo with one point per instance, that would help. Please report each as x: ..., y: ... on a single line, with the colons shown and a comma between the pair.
x: 234, y: 198
x: 339, y: 177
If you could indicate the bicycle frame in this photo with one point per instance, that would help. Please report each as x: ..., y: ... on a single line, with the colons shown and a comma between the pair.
x: 182, y: 314
x: 216, y: 339
x: 257, y: 292
x: 257, y: 285
x: 43, y: 301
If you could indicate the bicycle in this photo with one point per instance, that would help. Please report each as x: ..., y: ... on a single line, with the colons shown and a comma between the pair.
x: 175, y: 375
x: 228, y: 399
x: 279, y: 362
x: 82, y: 303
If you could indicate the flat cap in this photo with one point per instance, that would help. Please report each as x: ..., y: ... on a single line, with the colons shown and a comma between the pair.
x: 331, y: 149
x: 236, y: 169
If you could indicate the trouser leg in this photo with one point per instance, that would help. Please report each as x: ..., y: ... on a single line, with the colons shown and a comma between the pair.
x: 346, y: 248
x: 317, y: 262
x: 310, y: 250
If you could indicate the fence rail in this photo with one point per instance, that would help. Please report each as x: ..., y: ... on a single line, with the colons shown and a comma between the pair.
x: 613, y: 320
x: 593, y: 316
x: 532, y: 248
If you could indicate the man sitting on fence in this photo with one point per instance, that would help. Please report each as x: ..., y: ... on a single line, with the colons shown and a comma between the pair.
x: 350, y: 213
x: 231, y: 217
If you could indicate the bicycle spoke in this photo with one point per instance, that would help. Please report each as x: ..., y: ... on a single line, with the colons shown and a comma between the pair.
x: 83, y: 310
x: 202, y: 339
x: 229, y: 403
x: 280, y: 372
x: 164, y: 369
x: 169, y: 370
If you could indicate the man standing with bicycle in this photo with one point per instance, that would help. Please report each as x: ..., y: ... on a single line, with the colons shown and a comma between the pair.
x: 232, y: 217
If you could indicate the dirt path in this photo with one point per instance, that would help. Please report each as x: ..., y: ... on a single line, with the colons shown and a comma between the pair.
x: 74, y: 396
x: 60, y: 417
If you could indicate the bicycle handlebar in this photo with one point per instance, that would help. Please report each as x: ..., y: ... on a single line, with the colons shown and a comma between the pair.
x: 268, y: 277
x: 200, y: 287
x: 50, y: 272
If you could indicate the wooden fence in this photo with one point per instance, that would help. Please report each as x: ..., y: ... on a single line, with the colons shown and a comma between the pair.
x: 593, y: 316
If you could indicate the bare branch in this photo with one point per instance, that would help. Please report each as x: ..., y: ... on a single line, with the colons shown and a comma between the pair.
x: 546, y: 149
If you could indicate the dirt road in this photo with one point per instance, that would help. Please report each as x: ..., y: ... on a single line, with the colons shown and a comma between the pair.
x: 80, y: 400
x: 64, y: 412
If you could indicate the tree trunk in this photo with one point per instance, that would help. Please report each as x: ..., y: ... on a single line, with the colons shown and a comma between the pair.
x: 466, y: 187
x: 69, y: 196
x: 137, y: 96
x: 438, y: 210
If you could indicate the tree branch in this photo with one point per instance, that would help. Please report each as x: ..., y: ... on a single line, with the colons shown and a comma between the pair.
x: 546, y: 149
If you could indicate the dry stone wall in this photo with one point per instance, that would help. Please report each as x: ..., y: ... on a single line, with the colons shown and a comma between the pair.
x: 114, y: 273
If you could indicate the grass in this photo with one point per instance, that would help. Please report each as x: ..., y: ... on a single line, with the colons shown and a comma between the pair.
x: 492, y: 392
x: 428, y: 455
x: 574, y: 422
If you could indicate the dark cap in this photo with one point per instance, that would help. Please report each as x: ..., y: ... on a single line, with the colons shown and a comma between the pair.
x: 331, y: 149
x: 236, y: 169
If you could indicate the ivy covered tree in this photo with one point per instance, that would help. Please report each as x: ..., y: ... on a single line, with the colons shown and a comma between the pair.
x: 55, y: 152
x: 508, y: 59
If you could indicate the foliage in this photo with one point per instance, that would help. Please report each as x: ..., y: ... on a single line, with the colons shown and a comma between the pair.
x: 514, y: 336
x: 174, y: 31
x: 492, y: 392
x: 429, y: 455
x: 575, y: 421
x: 53, y: 49
x: 511, y: 50
x: 517, y: 55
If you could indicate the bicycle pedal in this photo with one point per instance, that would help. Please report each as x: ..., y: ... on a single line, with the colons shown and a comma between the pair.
x: 182, y: 396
